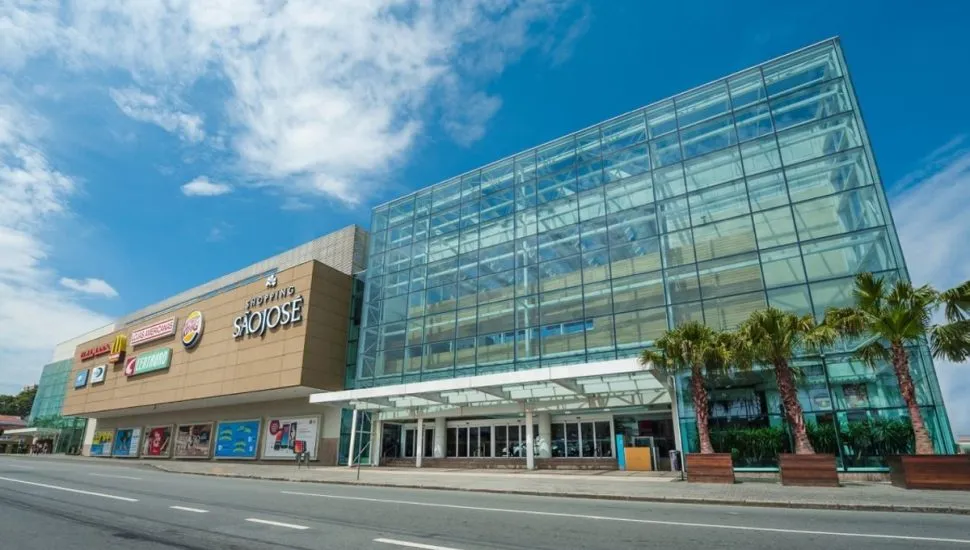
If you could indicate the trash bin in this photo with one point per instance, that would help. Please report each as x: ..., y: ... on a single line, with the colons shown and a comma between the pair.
x: 675, y: 464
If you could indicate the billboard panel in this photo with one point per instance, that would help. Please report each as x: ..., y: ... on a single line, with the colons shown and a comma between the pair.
x: 237, y: 439
x: 101, y: 443
x: 158, y: 442
x: 281, y: 434
x: 193, y: 440
x: 127, y: 441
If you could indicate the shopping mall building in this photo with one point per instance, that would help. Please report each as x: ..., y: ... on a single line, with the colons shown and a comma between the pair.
x: 502, y: 311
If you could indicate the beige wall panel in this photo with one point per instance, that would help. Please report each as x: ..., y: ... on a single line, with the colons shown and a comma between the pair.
x: 220, y: 364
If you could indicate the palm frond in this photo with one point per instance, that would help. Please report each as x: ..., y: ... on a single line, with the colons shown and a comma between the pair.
x: 956, y: 302
x: 951, y: 341
x: 848, y: 321
x: 873, y: 353
x: 869, y: 291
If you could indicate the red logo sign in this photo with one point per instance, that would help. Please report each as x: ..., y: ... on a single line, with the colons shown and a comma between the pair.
x: 130, y: 366
x: 95, y: 351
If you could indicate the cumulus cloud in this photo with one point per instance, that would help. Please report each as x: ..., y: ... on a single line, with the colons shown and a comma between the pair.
x: 35, y: 313
x: 320, y: 98
x: 202, y: 187
x: 148, y: 108
x: 96, y: 287
x: 931, y: 218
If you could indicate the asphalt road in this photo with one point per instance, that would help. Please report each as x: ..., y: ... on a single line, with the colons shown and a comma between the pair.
x: 62, y: 505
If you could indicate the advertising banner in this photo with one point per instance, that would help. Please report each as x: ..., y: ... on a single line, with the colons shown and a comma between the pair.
x: 98, y: 373
x: 281, y: 436
x: 81, y: 379
x: 147, y: 362
x: 237, y: 439
x: 101, y: 443
x: 158, y: 442
x: 162, y: 329
x: 126, y: 442
x: 193, y: 440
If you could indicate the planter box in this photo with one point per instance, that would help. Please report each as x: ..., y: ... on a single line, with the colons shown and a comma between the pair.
x: 930, y: 471
x: 710, y: 468
x: 808, y: 470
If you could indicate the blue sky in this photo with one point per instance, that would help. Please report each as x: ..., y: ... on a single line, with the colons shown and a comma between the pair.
x: 144, y: 151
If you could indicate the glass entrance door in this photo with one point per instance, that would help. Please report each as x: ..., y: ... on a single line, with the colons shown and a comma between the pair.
x: 410, y: 442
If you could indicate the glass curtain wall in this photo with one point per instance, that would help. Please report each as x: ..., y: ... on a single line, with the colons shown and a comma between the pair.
x: 756, y: 189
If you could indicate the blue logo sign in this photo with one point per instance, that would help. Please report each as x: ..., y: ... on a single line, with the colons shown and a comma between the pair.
x: 81, y: 379
x: 237, y: 439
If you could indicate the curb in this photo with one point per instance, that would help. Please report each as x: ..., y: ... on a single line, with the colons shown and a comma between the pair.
x: 627, y: 498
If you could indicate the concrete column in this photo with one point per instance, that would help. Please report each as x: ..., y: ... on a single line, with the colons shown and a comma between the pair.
x: 377, y: 429
x: 545, y: 435
x: 675, y: 414
x: 440, y: 437
x: 352, y: 451
x: 530, y: 458
x: 419, y: 443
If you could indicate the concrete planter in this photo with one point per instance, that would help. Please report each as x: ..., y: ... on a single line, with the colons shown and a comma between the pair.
x: 816, y: 470
x: 945, y: 472
x: 710, y: 468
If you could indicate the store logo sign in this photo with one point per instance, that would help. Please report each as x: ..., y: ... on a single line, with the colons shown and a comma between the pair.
x: 81, y: 379
x: 98, y: 373
x: 159, y: 359
x: 162, y: 329
x: 271, y: 281
x: 256, y: 323
x: 96, y: 351
x: 192, y: 329
x: 118, y: 348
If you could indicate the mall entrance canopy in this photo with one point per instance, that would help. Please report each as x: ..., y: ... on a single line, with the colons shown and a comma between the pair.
x: 600, y: 385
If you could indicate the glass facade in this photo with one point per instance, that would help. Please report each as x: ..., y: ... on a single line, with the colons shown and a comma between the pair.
x: 51, y: 389
x: 758, y: 189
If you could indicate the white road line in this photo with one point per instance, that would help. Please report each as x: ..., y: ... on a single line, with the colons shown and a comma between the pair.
x: 68, y: 489
x: 115, y: 476
x: 643, y: 521
x: 414, y: 544
x: 186, y: 509
x: 277, y: 523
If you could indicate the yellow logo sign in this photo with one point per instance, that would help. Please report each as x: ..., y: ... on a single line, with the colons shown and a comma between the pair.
x: 118, y: 348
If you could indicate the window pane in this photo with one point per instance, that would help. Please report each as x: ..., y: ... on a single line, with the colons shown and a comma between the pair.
x: 760, y: 156
x: 439, y: 327
x: 828, y: 175
x: 526, y: 311
x: 622, y: 133
x: 497, y: 258
x: 563, y: 339
x: 683, y: 313
x: 597, y: 299
x: 467, y: 321
x: 556, y: 157
x: 818, y: 139
x: 593, y: 234
x: 794, y: 299
x: 729, y: 276
x: 441, y: 298
x: 801, y: 70
x: 669, y: 182
x: 444, y: 271
x: 746, y: 89
x: 596, y: 266
x: 637, y: 257
x: 848, y: 255
x: 592, y: 204
x: 767, y: 191
x: 498, y: 286
x: 809, y: 104
x: 727, y: 313
x: 713, y: 169
x: 445, y: 195
x: 665, y: 150
x: 526, y: 280
x: 661, y: 119
x: 629, y: 193
x: 638, y: 329
x: 725, y: 238
x: 527, y: 344
x: 682, y: 285
x: 702, y: 104
x: 753, y: 122
x: 842, y: 213
x: 726, y: 201
x: 599, y: 334
x: 560, y: 306
x: 496, y: 317
x: 674, y: 215
x: 496, y: 348
x: 415, y: 334
x: 632, y: 225
x: 638, y: 291
x: 626, y: 163
x: 832, y: 293
x: 782, y: 266
x: 678, y: 248
x: 561, y: 273
x: 708, y: 136
x: 774, y: 227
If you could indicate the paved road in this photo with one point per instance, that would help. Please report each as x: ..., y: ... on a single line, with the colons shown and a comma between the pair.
x: 64, y: 505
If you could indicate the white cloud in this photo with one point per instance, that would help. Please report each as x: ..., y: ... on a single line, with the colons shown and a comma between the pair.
x: 97, y: 287
x: 931, y: 218
x: 34, y: 313
x: 202, y: 187
x: 218, y: 232
x: 148, y: 108
x: 320, y: 98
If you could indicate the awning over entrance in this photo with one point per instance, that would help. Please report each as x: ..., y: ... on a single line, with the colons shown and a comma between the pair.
x: 619, y: 383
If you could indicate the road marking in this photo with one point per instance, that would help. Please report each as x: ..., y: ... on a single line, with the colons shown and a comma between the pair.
x: 642, y: 521
x: 277, y: 524
x: 115, y: 476
x: 68, y: 489
x: 414, y: 544
x: 185, y: 509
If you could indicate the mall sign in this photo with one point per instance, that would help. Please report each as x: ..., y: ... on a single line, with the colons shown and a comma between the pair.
x: 287, y: 310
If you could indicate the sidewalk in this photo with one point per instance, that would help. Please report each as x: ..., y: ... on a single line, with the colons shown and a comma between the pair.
x: 602, y: 485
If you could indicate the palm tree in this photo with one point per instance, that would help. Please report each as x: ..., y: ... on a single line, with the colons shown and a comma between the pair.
x: 696, y: 349
x: 894, y: 316
x: 774, y: 337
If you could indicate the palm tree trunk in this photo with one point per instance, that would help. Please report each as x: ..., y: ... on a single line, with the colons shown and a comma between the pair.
x: 699, y: 395
x: 924, y: 445
x: 793, y: 408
